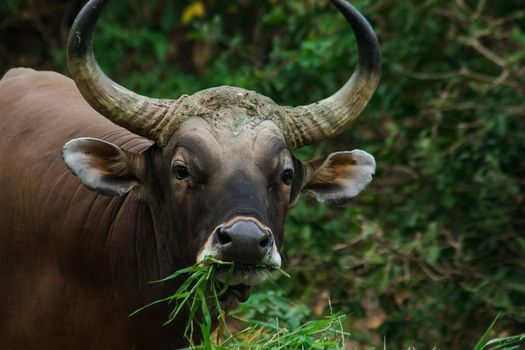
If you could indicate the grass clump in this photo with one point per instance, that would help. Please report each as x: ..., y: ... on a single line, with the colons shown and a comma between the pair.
x: 504, y: 343
x: 269, y: 322
x: 201, y: 294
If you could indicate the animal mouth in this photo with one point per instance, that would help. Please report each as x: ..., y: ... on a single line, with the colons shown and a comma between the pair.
x: 243, y: 274
x: 239, y: 278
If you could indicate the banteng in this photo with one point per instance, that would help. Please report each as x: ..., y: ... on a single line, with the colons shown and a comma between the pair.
x: 104, y: 190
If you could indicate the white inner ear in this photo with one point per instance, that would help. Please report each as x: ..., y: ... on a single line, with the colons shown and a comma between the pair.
x: 91, y: 161
x: 359, y: 174
x: 345, y: 175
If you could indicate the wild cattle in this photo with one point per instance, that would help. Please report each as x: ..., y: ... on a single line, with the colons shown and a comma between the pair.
x: 150, y: 186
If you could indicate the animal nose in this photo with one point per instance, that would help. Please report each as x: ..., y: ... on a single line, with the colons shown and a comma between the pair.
x: 244, y: 242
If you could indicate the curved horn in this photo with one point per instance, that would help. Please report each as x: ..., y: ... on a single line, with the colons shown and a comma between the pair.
x: 319, y: 120
x: 148, y: 117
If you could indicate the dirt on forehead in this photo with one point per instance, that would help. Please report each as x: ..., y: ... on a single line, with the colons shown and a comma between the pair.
x: 229, y: 107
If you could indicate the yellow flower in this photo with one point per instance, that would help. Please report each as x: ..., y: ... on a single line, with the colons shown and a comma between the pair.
x: 193, y: 11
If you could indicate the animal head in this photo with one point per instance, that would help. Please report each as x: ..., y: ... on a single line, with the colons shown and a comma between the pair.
x: 221, y: 175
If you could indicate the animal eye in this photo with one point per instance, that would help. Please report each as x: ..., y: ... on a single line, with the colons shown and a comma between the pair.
x: 287, y: 176
x: 181, y: 172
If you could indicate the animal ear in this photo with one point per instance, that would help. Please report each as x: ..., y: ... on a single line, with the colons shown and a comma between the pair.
x: 102, y: 166
x: 334, y: 180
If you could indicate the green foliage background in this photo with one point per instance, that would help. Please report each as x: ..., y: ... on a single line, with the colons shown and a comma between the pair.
x: 435, y: 247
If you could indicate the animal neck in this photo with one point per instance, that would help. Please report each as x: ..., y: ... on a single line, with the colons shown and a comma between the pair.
x: 152, y: 250
x: 120, y: 243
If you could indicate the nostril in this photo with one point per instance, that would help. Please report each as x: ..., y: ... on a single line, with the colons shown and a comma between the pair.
x: 224, y: 237
x: 266, y: 242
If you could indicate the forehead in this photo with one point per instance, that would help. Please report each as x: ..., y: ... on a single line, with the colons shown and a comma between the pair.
x: 254, y: 140
x: 228, y: 107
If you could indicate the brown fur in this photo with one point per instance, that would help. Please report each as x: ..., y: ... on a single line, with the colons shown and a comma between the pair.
x: 64, y: 288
